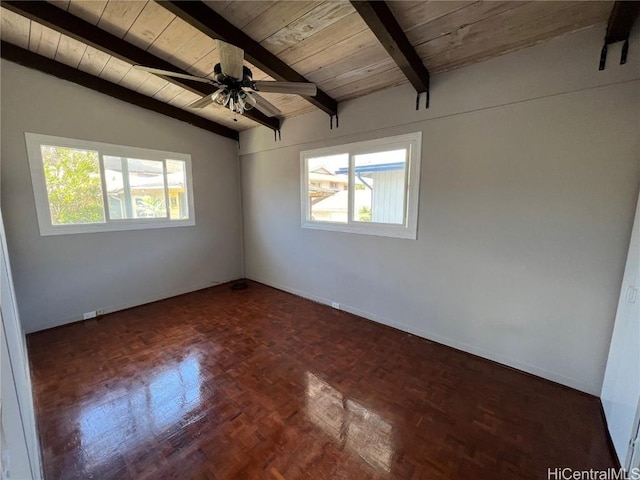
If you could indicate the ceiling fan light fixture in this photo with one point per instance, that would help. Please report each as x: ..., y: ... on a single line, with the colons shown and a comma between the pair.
x: 246, y: 101
x: 222, y: 97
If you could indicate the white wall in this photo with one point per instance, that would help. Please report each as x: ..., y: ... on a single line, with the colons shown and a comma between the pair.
x: 58, y: 278
x: 528, y: 183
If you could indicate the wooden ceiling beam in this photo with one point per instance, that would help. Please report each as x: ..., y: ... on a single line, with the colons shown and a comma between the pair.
x: 32, y: 60
x: 380, y: 20
x: 82, y: 31
x: 200, y: 16
x: 623, y: 16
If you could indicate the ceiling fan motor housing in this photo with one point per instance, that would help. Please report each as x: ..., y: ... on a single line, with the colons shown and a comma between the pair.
x: 247, y: 77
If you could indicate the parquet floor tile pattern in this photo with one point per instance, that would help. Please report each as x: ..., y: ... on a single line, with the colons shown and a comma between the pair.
x: 261, y: 384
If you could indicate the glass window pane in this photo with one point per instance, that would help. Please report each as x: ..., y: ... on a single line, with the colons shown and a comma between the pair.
x: 380, y: 194
x: 73, y: 185
x: 135, y: 188
x: 115, y: 187
x: 177, y: 179
x: 328, y: 188
x: 146, y: 181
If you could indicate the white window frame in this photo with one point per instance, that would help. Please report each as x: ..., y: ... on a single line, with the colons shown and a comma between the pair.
x: 35, y: 140
x: 409, y: 229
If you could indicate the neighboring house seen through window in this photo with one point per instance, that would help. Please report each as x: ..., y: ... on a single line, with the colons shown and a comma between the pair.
x: 367, y: 187
x: 82, y: 186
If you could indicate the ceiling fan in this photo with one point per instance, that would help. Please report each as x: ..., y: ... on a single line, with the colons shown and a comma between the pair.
x: 237, y: 90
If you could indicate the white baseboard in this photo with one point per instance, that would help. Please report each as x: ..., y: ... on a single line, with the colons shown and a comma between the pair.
x: 498, y: 358
x: 136, y: 303
x: 510, y: 362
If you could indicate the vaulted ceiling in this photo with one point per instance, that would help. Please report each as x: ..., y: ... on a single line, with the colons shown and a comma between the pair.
x: 326, y: 42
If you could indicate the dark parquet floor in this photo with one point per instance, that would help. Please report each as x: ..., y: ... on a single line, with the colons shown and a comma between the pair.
x: 260, y: 384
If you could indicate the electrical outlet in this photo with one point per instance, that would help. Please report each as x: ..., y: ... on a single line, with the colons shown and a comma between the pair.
x: 99, y: 312
x: 335, y: 305
x: 632, y: 294
x: 89, y: 315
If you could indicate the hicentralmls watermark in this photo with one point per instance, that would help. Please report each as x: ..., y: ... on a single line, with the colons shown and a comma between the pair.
x: 560, y: 473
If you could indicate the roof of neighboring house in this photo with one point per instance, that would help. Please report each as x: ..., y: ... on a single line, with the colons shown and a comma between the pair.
x: 328, y: 177
x: 380, y: 167
x: 315, y: 192
x: 339, y: 201
x: 324, y: 170
x: 174, y: 180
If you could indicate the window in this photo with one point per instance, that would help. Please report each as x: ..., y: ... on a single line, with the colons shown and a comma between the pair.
x: 81, y: 186
x: 367, y: 187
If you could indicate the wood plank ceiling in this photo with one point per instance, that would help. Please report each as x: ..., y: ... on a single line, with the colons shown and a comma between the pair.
x: 325, y: 41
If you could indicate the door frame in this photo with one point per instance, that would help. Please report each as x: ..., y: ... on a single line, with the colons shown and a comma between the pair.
x: 633, y: 454
x: 18, y: 360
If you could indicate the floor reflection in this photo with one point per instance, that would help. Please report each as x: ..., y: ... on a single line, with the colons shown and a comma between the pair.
x: 130, y: 417
x: 350, y: 423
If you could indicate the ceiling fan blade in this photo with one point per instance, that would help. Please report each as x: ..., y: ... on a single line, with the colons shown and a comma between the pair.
x: 299, y: 88
x: 167, y: 73
x: 202, y: 102
x: 231, y: 59
x: 264, y: 106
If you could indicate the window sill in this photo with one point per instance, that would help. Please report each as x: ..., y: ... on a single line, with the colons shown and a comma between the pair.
x: 380, y: 230
x: 113, y: 226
